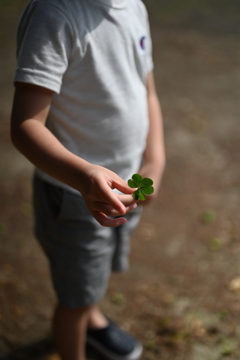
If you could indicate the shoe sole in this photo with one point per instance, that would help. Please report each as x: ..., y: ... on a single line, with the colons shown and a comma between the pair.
x: 134, y: 355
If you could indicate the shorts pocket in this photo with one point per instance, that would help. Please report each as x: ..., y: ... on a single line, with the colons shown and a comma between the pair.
x: 53, y: 200
x: 73, y: 208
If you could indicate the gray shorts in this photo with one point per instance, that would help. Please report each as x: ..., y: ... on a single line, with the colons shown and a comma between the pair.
x: 81, y: 252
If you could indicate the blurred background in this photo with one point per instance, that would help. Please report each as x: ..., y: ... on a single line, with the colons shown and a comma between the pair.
x: 181, y: 296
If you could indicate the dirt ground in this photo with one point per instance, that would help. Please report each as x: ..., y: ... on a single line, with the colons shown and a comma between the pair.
x: 181, y: 296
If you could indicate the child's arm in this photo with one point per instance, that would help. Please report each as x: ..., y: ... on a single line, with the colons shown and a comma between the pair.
x: 31, y: 137
x: 154, y: 155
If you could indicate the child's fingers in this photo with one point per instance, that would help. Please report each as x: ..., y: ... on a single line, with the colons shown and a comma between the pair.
x: 112, y: 198
x: 106, y: 221
x: 109, y: 197
x: 122, y: 186
x: 103, y: 181
x: 110, y: 211
x: 126, y: 199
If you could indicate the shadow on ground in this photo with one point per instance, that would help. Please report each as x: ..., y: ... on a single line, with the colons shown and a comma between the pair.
x: 42, y: 349
x: 33, y: 351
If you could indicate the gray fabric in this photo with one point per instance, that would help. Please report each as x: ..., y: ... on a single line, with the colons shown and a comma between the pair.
x: 81, y: 252
x: 95, y: 55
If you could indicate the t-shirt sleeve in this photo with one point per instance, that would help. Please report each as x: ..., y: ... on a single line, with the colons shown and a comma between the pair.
x: 149, y: 59
x: 44, y: 42
x: 148, y: 43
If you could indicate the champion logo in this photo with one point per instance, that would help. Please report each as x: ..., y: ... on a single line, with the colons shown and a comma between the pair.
x: 143, y: 42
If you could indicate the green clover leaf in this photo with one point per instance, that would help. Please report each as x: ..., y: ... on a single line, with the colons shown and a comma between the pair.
x: 144, y: 186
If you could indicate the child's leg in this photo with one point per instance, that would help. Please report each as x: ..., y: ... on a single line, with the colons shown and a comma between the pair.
x: 69, y: 329
x: 70, y: 326
x: 96, y: 318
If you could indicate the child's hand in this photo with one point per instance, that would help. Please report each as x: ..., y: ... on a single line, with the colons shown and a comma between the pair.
x: 96, y: 188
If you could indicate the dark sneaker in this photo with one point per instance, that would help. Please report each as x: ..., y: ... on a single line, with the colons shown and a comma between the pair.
x: 114, y: 343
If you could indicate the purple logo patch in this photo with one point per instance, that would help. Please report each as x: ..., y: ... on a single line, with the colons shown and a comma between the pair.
x: 142, y: 42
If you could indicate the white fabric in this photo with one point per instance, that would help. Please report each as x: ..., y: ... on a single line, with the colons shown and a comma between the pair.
x: 95, y: 55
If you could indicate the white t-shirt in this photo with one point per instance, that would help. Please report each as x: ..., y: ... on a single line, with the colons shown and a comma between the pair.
x: 95, y: 55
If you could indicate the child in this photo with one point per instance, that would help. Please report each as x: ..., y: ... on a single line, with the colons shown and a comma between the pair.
x: 86, y: 114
